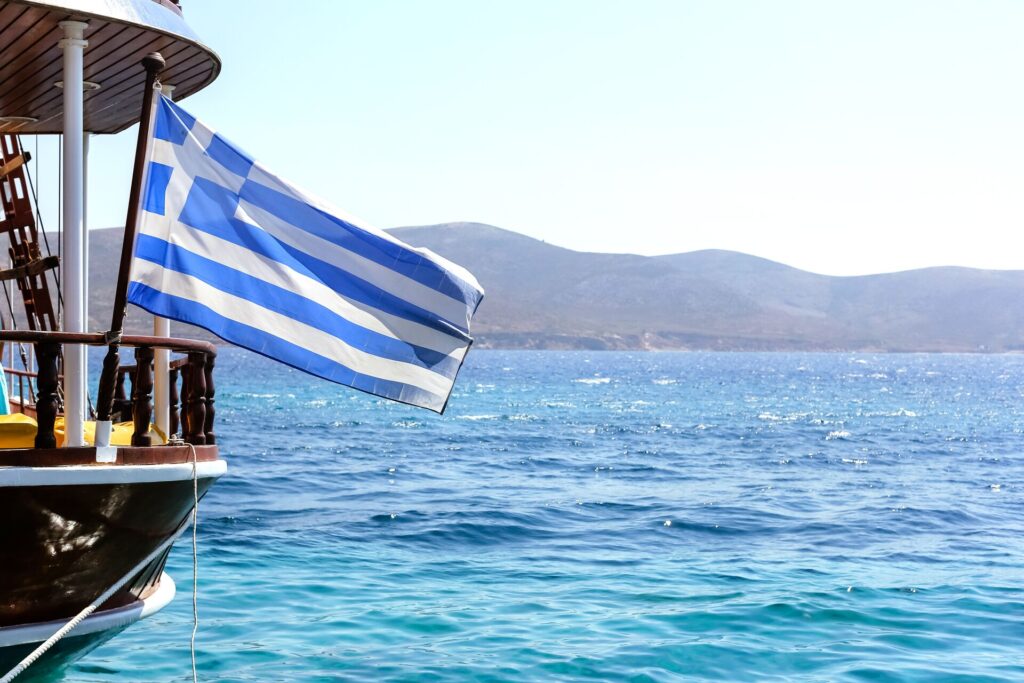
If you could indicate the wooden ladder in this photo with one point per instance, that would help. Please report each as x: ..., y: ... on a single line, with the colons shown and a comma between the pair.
x: 28, y: 266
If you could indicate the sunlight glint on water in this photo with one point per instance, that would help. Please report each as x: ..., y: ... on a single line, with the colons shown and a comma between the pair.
x: 607, y: 515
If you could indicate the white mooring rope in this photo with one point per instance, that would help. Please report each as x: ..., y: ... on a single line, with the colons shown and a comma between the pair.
x: 195, y: 563
x: 91, y: 607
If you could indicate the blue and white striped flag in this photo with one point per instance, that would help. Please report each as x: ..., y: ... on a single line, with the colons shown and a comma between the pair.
x: 228, y: 246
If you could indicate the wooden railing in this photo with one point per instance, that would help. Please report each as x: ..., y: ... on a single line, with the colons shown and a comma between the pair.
x: 191, y: 408
x: 24, y: 379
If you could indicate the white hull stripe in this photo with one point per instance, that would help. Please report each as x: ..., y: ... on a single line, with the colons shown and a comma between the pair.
x: 80, y: 475
x: 100, y: 621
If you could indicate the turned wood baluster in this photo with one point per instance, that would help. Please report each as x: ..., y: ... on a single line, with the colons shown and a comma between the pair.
x: 196, y: 399
x: 105, y: 403
x: 186, y: 391
x: 47, y: 401
x: 142, y: 399
x: 127, y: 411
x: 172, y: 402
x: 121, y: 402
x: 210, y: 392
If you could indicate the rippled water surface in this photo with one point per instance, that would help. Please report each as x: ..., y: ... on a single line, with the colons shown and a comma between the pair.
x: 610, y: 516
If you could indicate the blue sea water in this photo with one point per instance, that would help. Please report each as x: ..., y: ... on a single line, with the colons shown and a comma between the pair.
x: 609, y: 516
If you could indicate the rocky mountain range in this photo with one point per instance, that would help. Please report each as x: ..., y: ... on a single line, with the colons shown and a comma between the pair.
x: 541, y: 296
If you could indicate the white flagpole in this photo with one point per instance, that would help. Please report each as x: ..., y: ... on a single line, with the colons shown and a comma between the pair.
x: 162, y: 357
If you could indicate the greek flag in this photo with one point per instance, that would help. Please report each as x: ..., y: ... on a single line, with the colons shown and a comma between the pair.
x: 226, y: 245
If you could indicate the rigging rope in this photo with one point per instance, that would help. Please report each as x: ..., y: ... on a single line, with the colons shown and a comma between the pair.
x: 21, y: 347
x: 55, y: 274
x: 60, y: 219
x: 60, y: 246
x: 39, y: 214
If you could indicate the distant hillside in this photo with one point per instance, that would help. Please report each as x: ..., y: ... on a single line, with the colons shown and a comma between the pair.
x: 104, y: 259
x: 543, y: 296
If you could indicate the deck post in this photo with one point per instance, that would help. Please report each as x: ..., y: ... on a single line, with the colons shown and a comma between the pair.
x: 142, y: 394
x: 175, y: 420
x: 73, y: 259
x: 162, y: 357
x: 196, y: 403
x: 46, y: 395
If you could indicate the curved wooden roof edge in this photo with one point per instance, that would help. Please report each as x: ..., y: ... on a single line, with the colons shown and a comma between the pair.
x: 120, y: 33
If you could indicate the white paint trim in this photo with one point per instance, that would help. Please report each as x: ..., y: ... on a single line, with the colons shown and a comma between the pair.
x: 78, y: 475
x: 161, y: 598
x: 100, y: 621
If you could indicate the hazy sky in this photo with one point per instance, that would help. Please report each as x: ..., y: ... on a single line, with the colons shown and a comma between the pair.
x: 839, y: 137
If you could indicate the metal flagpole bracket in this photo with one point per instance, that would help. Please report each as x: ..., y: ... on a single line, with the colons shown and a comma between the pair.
x: 74, y: 34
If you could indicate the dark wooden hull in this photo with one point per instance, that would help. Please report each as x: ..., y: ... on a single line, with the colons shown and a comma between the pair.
x: 62, y: 546
x: 71, y: 531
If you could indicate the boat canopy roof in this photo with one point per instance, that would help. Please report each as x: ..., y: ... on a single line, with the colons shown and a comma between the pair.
x: 120, y: 34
